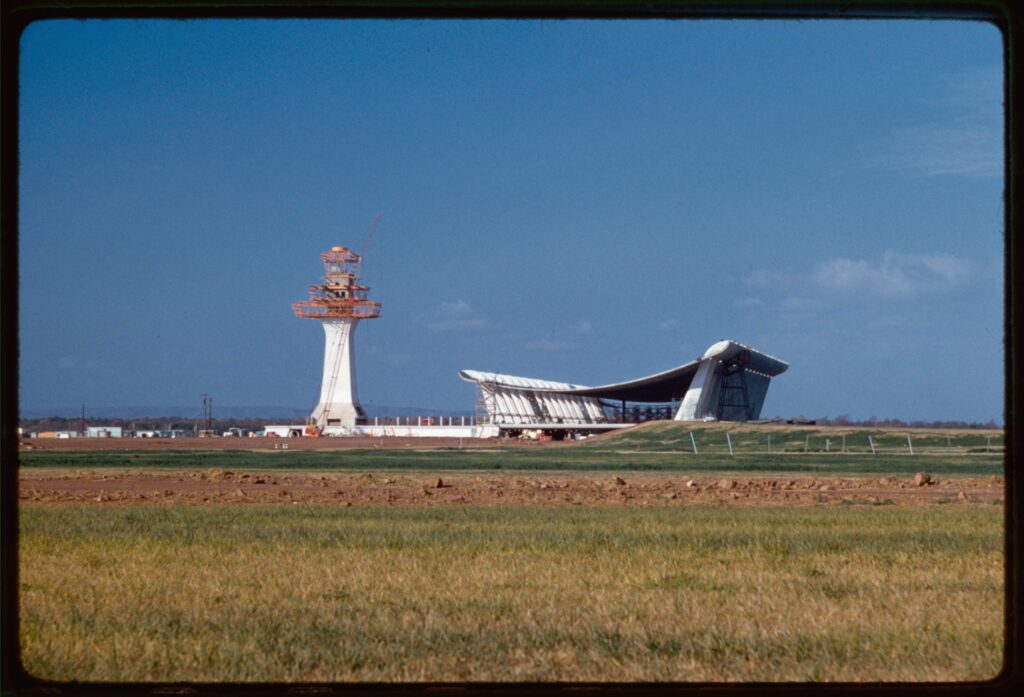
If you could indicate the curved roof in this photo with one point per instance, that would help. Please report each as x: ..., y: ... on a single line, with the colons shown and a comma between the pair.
x: 666, y: 386
x: 517, y: 382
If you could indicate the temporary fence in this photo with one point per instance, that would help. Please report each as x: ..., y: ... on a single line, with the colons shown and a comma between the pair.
x: 422, y: 421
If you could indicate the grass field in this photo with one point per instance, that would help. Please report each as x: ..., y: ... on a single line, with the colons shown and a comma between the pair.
x: 658, y: 446
x: 696, y: 593
x: 568, y: 459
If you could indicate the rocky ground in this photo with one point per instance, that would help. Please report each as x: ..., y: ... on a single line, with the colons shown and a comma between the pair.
x: 422, y: 489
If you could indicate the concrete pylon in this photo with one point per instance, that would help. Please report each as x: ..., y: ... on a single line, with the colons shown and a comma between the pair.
x: 339, y: 398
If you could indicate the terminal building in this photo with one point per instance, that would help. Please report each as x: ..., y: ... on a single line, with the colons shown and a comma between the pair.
x: 728, y: 383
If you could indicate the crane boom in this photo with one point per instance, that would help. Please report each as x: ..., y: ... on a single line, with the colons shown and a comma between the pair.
x: 373, y: 229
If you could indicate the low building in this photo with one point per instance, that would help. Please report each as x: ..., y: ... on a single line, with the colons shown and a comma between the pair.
x: 104, y: 432
x: 57, y: 434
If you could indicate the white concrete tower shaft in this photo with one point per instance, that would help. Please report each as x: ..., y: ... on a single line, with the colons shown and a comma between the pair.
x: 339, y: 398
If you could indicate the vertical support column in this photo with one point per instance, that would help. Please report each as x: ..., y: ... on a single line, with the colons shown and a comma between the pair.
x: 339, y: 399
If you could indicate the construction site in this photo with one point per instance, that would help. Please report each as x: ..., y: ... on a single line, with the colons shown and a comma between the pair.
x: 729, y: 382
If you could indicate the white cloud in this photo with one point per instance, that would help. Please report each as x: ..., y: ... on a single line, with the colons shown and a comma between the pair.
x: 964, y: 138
x: 940, y: 150
x: 456, y: 315
x: 748, y: 302
x: 978, y: 92
x: 895, y: 275
x: 667, y: 324
x: 582, y: 328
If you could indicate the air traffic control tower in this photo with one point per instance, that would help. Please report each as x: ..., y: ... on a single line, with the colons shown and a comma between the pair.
x: 338, y: 303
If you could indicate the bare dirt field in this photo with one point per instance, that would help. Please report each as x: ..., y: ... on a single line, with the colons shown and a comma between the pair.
x: 421, y: 489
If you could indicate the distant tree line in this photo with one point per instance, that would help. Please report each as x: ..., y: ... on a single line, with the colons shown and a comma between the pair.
x: 59, y: 423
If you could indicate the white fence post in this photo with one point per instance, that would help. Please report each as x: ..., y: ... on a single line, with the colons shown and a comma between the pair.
x: 910, y: 444
x: 728, y: 438
x: 693, y: 441
x: 871, y: 442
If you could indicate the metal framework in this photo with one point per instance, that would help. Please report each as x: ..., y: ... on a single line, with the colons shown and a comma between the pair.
x: 508, y: 400
x: 733, y: 394
x: 340, y: 295
x: 623, y: 413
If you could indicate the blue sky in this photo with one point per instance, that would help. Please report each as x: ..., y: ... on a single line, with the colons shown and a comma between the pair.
x: 584, y: 201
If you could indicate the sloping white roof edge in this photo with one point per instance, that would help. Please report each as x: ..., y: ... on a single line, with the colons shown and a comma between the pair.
x: 722, y: 350
x: 532, y: 384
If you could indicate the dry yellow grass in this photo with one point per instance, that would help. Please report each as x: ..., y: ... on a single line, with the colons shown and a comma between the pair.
x: 369, y: 594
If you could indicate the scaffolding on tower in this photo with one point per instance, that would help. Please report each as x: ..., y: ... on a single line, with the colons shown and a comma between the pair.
x: 340, y: 295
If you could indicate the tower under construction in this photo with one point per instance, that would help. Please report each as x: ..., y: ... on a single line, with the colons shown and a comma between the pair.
x: 338, y: 303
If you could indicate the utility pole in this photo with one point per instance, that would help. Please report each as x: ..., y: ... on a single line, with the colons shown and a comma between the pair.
x: 207, y: 431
